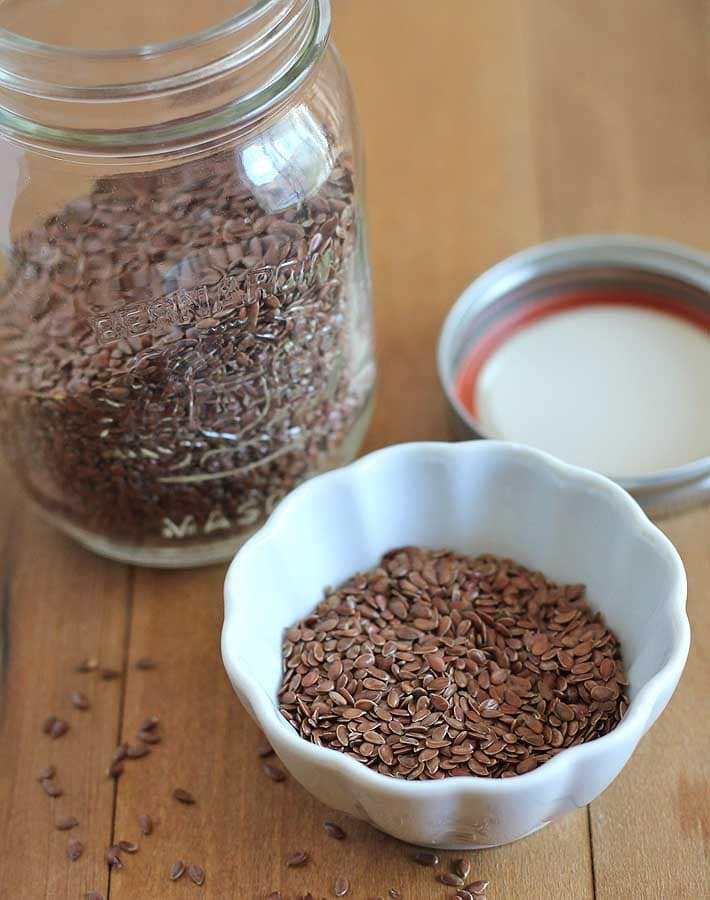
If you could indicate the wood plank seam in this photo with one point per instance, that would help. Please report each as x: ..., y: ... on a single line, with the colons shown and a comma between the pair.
x: 590, y: 838
x: 130, y: 587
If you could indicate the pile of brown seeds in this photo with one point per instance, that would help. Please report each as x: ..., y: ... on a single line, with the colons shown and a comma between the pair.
x: 176, y: 354
x: 435, y: 664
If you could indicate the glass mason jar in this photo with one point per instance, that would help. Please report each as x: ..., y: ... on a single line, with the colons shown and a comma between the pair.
x: 185, y: 301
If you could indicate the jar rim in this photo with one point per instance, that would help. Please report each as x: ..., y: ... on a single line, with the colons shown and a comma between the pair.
x: 10, y: 40
x: 234, y: 71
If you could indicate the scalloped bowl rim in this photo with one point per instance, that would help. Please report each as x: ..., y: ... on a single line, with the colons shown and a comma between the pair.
x: 632, y: 726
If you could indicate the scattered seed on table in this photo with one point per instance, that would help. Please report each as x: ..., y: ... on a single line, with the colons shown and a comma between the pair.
x: 196, y: 874
x: 274, y: 773
x: 47, y: 772
x: 51, y: 788
x: 110, y: 674
x: 274, y: 895
x: 342, y: 887
x: 119, y: 753
x: 136, y: 751
x: 48, y: 724
x: 451, y: 880
x: 59, y: 727
x: 424, y: 858
x: 298, y: 859
x: 148, y: 737
x: 334, y: 830
x: 115, y: 770
x: 462, y: 868
x: 183, y: 796
x: 478, y: 887
x: 66, y: 823
x: 146, y: 662
x: 149, y: 724
x: 79, y: 700
x: 463, y: 894
x: 94, y: 895
x: 74, y: 849
x: 395, y: 894
x: 113, y: 857
x: 146, y: 824
x: 87, y: 665
x: 128, y: 846
x: 264, y: 749
x: 176, y: 870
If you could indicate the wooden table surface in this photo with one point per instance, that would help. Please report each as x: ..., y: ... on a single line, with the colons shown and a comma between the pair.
x: 489, y: 125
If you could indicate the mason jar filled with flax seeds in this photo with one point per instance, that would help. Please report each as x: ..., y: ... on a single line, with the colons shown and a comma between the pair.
x: 185, y: 304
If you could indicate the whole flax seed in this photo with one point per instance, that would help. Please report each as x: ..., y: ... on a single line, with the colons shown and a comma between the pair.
x: 297, y: 859
x: 89, y: 664
x: 334, y: 830
x: 59, y: 727
x: 128, y: 846
x: 451, y: 880
x: 51, y: 788
x: 196, y: 874
x: 119, y: 753
x: 264, y: 749
x: 145, y: 823
x: 136, y: 751
x: 274, y: 773
x: 435, y: 665
x: 341, y: 887
x: 462, y: 868
x: 79, y: 700
x: 424, y: 858
x: 48, y: 724
x: 145, y: 663
x: 176, y: 870
x: 183, y: 796
x: 149, y: 724
x: 112, y: 856
x: 74, y: 849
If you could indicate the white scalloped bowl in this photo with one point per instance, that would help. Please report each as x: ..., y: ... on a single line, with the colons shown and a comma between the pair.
x: 482, y: 496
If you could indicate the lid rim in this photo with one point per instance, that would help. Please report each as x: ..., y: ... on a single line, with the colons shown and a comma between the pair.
x: 652, y: 255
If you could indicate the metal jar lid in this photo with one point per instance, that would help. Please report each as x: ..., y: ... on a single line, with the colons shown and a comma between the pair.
x: 599, y: 275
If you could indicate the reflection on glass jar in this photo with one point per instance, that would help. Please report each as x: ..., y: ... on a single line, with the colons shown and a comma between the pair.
x: 185, y: 322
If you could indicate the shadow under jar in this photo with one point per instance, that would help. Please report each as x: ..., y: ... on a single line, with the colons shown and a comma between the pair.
x: 185, y: 302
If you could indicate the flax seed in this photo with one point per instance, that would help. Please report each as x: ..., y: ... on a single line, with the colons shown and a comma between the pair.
x: 478, y: 666
x: 176, y: 870
x: 342, y: 887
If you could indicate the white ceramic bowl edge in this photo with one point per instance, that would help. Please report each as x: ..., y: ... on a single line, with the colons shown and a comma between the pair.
x: 472, y: 497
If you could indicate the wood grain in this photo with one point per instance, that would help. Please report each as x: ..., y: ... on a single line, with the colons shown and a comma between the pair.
x: 60, y: 604
x: 651, y: 828
x: 488, y: 126
x: 619, y: 98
